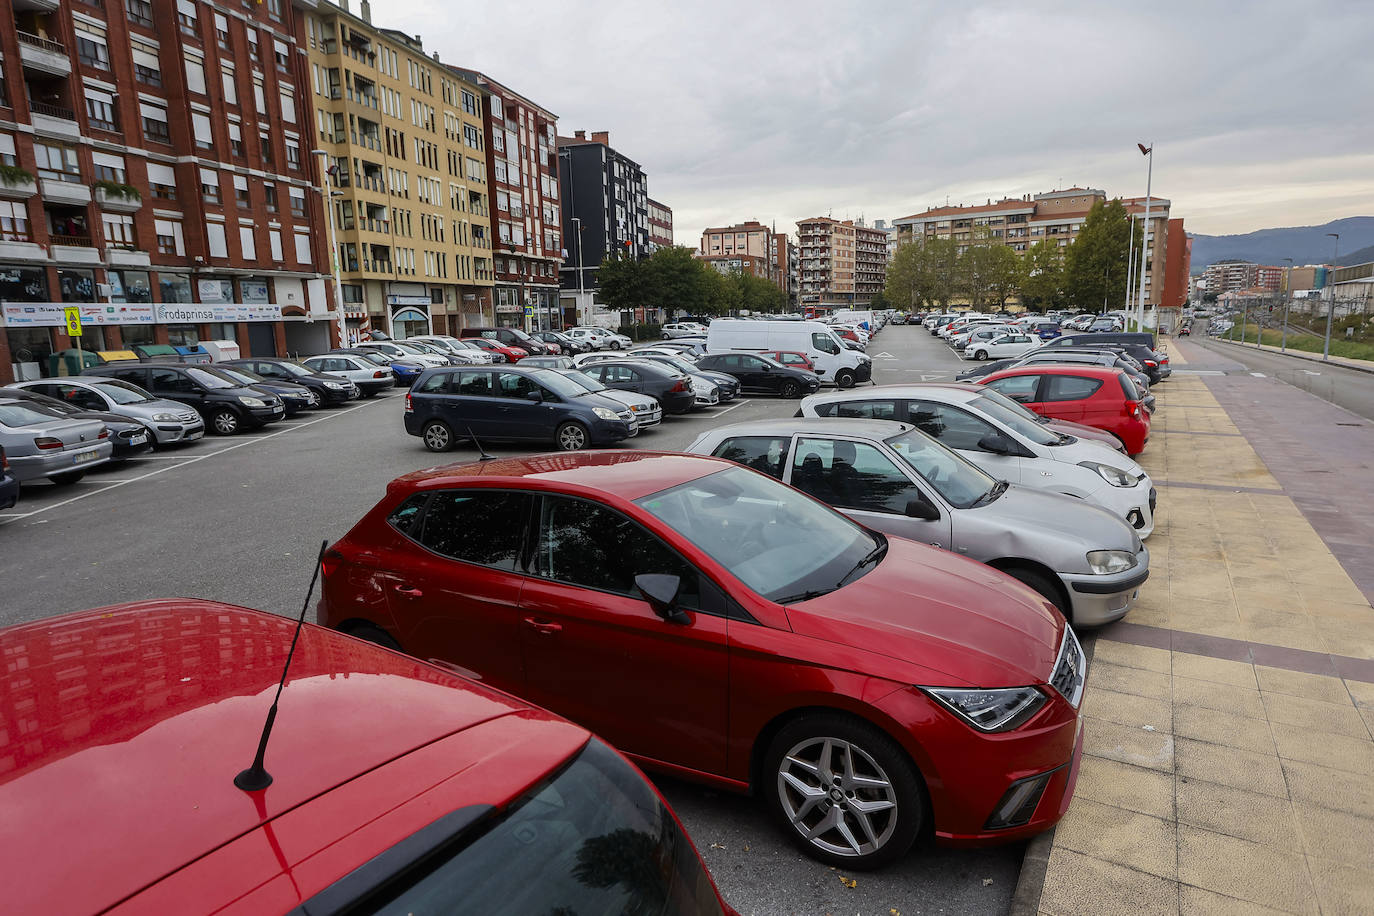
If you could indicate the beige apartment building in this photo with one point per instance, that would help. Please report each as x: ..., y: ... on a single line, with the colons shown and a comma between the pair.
x: 752, y: 248
x: 407, y: 168
x: 843, y: 264
x: 1020, y: 222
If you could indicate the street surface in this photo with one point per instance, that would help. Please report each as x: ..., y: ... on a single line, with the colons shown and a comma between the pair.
x: 240, y: 520
x: 1348, y: 388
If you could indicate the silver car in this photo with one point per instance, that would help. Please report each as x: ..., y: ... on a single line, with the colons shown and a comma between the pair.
x: 168, y: 421
x: 40, y: 444
x: 894, y: 478
x: 645, y: 407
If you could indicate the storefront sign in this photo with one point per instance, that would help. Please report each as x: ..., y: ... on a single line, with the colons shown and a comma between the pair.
x: 52, y: 315
x: 196, y: 312
x: 409, y: 300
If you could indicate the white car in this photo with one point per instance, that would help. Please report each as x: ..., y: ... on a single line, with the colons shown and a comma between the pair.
x: 396, y: 349
x: 467, y: 354
x: 664, y: 351
x: 370, y: 377
x: 601, y: 338
x: 979, y: 332
x: 1006, y: 440
x: 1001, y: 347
x: 684, y: 329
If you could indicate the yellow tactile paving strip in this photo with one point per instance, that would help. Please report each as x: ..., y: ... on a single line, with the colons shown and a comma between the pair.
x: 1216, y: 786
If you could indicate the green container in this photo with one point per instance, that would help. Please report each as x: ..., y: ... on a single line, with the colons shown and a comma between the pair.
x: 71, y: 362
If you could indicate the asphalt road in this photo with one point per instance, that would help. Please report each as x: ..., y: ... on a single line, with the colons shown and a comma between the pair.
x: 1348, y: 388
x: 240, y: 520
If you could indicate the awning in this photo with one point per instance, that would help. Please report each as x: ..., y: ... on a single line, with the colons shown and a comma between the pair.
x: 409, y: 314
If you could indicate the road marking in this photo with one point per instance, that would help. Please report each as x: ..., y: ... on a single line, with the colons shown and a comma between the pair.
x: 194, y: 458
x: 1259, y: 375
x: 730, y: 408
x: 174, y: 457
x: 883, y: 355
x: 1310, y: 372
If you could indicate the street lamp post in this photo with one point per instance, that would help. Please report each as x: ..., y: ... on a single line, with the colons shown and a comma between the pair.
x: 1331, y: 307
x: 577, y: 223
x: 326, y: 197
x: 1287, y: 298
x: 1149, y: 153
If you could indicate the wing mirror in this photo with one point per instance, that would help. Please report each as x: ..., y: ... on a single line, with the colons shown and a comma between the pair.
x: 661, y: 593
x: 996, y: 443
x: 535, y: 396
x: 923, y: 509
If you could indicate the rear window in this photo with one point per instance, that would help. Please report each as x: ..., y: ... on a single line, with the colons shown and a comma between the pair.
x: 1128, y: 386
x: 13, y: 415
x: 1071, y: 387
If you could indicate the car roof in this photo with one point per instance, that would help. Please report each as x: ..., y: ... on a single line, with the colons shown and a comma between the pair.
x: 957, y: 392
x: 1087, y: 371
x: 628, y: 474
x: 129, y: 723
x: 830, y: 426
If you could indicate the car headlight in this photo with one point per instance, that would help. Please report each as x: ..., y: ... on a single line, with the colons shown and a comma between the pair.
x: 605, y: 413
x: 1114, y: 476
x: 252, y: 402
x: 338, y: 386
x: 990, y: 710
x: 1106, y: 562
x: 165, y: 417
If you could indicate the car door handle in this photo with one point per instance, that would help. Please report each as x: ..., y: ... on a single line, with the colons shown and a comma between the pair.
x: 547, y: 627
x: 409, y: 591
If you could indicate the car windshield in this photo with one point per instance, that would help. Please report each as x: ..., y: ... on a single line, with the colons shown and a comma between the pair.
x: 521, y: 336
x: 241, y: 375
x: 13, y: 415
x: 213, y: 378
x: 123, y: 392
x: 577, y: 378
x: 377, y: 358
x: 557, y: 383
x: 782, y: 544
x: 414, y: 349
x: 1021, y: 420
x: 960, y: 482
x: 295, y: 369
x: 438, y: 346
x: 595, y: 838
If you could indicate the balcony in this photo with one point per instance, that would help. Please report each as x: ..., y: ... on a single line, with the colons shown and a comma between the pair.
x: 65, y: 192
x: 43, y: 55
x: 37, y: 6
x: 127, y: 257
x: 17, y: 187
x: 117, y: 200
x: 14, y: 249
x: 78, y: 249
x: 54, y: 119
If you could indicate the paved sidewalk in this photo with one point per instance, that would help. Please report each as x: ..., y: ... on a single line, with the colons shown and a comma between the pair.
x: 1229, y: 734
x: 1362, y: 365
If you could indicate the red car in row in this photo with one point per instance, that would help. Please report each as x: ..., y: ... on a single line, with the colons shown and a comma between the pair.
x: 714, y: 623
x: 502, y: 352
x: 395, y: 785
x: 1101, y: 397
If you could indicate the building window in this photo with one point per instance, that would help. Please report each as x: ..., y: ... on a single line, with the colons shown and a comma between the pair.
x: 297, y: 202
x: 241, y: 191
x: 236, y: 139
x: 140, y: 12
x: 91, y: 50
x: 147, y: 67
x: 229, y: 84
x: 14, y: 221
x: 130, y: 286
x: 163, y: 181
x: 209, y: 186
x: 470, y: 104
x: 100, y: 112
x: 200, y: 127
x: 57, y: 162
x: 222, y: 31
x: 169, y: 241
x: 186, y: 16
x: 155, y: 123
x: 174, y: 287
x: 293, y: 154
x: 119, y: 230
x: 270, y: 192
x: 109, y: 168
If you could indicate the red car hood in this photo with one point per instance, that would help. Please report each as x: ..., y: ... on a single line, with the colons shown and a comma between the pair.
x: 956, y: 617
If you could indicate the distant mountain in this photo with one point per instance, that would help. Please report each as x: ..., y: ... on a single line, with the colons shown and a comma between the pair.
x: 1304, y: 244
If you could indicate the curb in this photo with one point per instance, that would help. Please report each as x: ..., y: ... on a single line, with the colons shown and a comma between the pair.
x: 1304, y: 357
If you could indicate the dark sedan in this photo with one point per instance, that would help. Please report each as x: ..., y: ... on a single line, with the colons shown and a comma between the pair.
x: 982, y: 369
x: 329, y: 388
x: 9, y: 484
x: 670, y: 387
x: 569, y: 347
x: 762, y: 375
x: 129, y: 437
x: 294, y: 398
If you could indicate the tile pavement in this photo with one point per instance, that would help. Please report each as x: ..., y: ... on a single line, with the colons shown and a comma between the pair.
x: 1229, y: 727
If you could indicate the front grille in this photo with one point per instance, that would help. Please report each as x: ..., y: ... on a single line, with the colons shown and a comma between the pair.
x: 189, y: 416
x: 1070, y: 669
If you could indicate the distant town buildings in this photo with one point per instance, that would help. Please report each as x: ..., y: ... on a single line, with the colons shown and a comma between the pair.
x: 660, y: 225
x: 1230, y: 275
x: 843, y: 263
x: 753, y: 248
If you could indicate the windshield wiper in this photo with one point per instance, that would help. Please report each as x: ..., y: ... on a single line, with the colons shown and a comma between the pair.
x: 874, y: 555
x: 991, y: 495
x: 804, y: 596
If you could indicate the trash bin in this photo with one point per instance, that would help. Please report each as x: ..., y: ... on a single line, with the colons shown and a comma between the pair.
x: 71, y: 362
x: 156, y: 351
x: 194, y: 354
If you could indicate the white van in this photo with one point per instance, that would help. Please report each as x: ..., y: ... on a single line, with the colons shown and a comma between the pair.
x: 862, y: 317
x: 835, y: 363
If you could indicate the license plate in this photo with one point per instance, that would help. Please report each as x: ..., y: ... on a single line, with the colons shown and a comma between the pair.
x: 139, y: 439
x: 83, y: 457
x: 193, y: 434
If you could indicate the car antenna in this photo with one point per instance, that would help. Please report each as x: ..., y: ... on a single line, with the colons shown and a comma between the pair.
x: 481, y: 452
x: 256, y: 778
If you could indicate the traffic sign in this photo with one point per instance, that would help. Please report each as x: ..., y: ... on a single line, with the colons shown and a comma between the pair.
x: 73, y: 317
x: 529, y: 311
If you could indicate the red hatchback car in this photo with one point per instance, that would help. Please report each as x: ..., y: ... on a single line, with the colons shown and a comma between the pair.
x: 716, y: 624
x: 1096, y: 396
x: 397, y: 786
x: 495, y: 347
x: 791, y: 358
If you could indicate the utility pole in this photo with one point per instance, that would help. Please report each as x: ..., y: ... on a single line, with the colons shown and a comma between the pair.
x: 1149, y: 153
x: 1287, y: 298
x: 1331, y: 308
x: 1130, y: 263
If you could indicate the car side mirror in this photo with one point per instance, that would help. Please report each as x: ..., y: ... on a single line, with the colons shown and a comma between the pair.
x: 767, y: 368
x: 996, y: 443
x: 661, y: 592
x: 923, y: 509
x: 535, y: 396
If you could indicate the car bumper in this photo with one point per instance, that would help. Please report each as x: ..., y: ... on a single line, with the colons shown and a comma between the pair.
x: 264, y: 415
x: 179, y: 431
x: 336, y: 395
x: 9, y: 492
x: 678, y: 401
x: 37, y: 467
x: 609, y: 432
x: 1135, y: 504
x: 296, y: 405
x: 650, y: 417
x: 376, y: 385
x: 863, y: 372
x: 710, y: 399
x: 1097, y: 600
x: 126, y: 447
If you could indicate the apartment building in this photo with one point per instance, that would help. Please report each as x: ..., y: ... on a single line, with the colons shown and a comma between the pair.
x: 522, y: 169
x: 1230, y: 275
x: 660, y: 225
x: 156, y: 176
x: 1269, y: 277
x: 1177, y: 266
x: 776, y: 252
x: 842, y: 263
x: 605, y: 209
x: 405, y: 143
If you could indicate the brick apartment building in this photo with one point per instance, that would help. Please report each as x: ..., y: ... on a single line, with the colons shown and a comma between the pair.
x: 1177, y: 266
x: 408, y: 172
x: 1230, y: 275
x: 1269, y: 277
x: 660, y: 225
x: 843, y: 264
x: 159, y: 178
x: 750, y: 242
x: 522, y: 164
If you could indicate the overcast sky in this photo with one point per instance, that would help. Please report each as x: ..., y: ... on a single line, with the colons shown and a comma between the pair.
x: 779, y: 111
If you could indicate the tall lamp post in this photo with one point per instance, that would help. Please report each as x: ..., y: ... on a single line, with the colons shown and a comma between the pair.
x: 577, y: 227
x: 1287, y: 298
x: 1149, y: 153
x: 1331, y: 282
x: 327, y: 199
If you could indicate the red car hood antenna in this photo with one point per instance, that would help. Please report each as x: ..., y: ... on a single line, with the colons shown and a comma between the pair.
x: 256, y: 778
x: 481, y: 452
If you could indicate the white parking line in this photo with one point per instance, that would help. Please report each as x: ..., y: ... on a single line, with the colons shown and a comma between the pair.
x: 730, y: 408
x: 190, y: 459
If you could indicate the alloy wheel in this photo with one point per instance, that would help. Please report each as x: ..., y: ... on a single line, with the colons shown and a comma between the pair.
x: 837, y: 797
x: 571, y: 437
x: 226, y: 422
x: 437, y: 437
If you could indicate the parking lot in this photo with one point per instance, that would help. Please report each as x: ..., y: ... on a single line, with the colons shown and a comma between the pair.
x: 239, y: 520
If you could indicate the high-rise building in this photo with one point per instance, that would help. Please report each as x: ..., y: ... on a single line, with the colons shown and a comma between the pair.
x: 522, y: 170
x: 404, y: 138
x: 751, y: 239
x: 1177, y: 266
x: 660, y: 225
x: 605, y: 211
x: 158, y: 179
x: 1269, y: 277
x: 1230, y: 275
x: 843, y: 264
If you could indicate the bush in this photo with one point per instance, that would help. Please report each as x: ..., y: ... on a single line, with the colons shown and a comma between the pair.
x: 642, y: 331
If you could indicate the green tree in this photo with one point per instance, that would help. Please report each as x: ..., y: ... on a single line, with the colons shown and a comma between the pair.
x: 945, y: 278
x: 723, y: 295
x: 1095, y: 264
x: 908, y: 282
x: 758, y: 294
x: 1042, y: 275
x: 879, y: 301
x: 622, y: 283
x: 1003, y: 274
x: 676, y: 281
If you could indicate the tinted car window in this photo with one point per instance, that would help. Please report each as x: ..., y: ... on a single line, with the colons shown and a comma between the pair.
x: 406, y: 516
x: 1070, y: 387
x: 171, y: 380
x: 436, y: 383
x: 762, y: 453
x: 1128, y: 387
x: 586, y: 544
x: 475, y: 384
x: 851, y: 475
x: 133, y: 376
x: 511, y: 385
x: 1021, y: 387
x: 621, y: 374
x: 477, y: 526
x: 869, y: 410
x: 954, y: 427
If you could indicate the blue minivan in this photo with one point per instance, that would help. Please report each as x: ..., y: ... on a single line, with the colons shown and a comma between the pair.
x: 509, y: 403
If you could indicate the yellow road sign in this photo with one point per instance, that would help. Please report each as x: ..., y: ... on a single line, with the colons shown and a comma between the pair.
x: 73, y: 322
